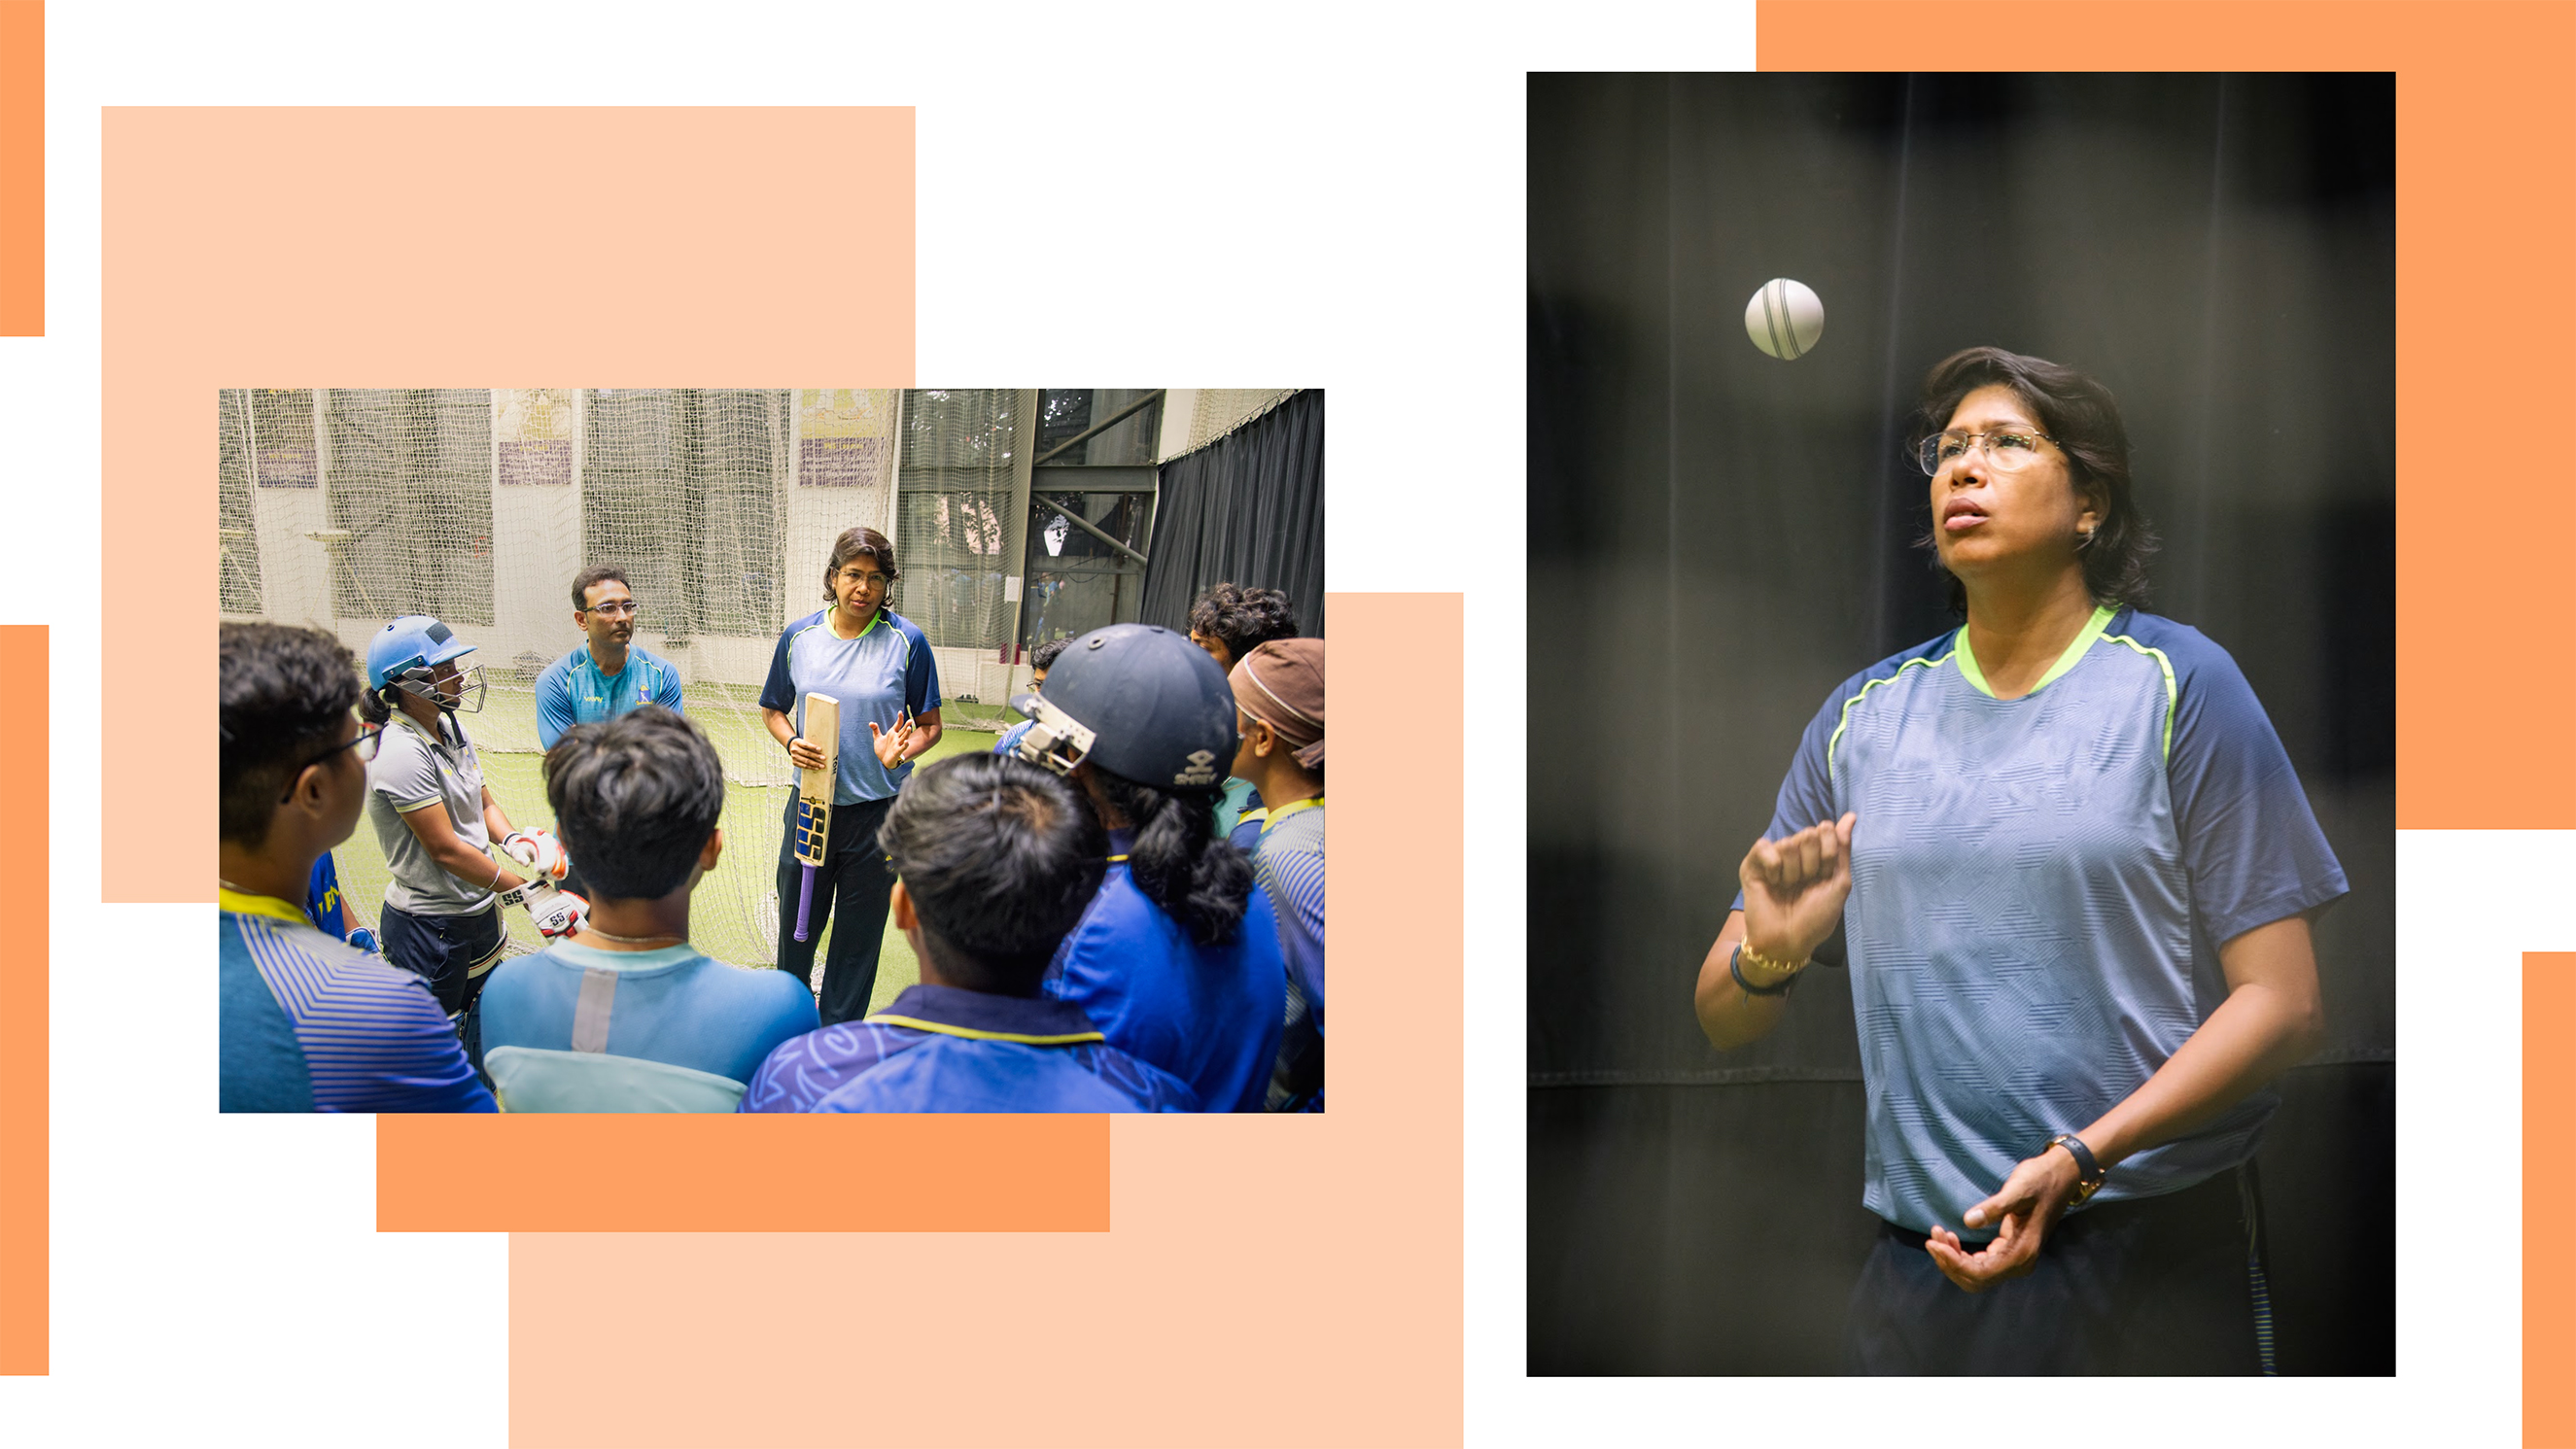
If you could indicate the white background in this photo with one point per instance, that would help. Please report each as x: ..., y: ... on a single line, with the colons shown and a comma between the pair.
x: 1336, y: 201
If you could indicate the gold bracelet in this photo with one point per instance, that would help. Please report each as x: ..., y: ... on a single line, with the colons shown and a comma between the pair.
x: 1763, y: 965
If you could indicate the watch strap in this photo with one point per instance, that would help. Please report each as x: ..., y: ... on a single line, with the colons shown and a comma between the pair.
x: 2089, y: 1171
x: 1735, y: 968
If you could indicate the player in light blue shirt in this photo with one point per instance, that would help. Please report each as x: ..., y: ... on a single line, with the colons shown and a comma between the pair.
x: 623, y: 1015
x: 610, y: 674
x: 1041, y: 659
x: 877, y: 665
x: 2074, y: 872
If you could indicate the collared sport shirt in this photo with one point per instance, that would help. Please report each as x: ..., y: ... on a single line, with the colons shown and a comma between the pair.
x: 876, y: 677
x: 573, y: 690
x: 2039, y: 890
x: 962, y: 1051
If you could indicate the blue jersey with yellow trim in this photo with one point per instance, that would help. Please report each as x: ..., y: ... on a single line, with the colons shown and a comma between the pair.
x: 2039, y: 889
x: 877, y: 676
x: 310, y: 1024
x: 573, y: 690
x: 985, y: 1053
x: 1210, y: 1015
x: 322, y: 899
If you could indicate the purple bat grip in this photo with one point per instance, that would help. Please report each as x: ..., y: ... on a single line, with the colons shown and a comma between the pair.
x: 804, y: 901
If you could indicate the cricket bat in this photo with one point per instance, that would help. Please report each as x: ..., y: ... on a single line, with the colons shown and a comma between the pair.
x: 822, y: 729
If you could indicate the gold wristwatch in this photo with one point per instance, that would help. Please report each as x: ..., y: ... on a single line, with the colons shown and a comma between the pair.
x: 2088, y: 1172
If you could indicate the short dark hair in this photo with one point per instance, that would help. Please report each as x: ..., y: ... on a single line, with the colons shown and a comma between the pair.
x: 1045, y: 655
x: 1244, y: 619
x: 596, y: 573
x: 635, y: 799
x: 1000, y: 858
x: 859, y: 543
x: 286, y: 694
x: 2084, y: 418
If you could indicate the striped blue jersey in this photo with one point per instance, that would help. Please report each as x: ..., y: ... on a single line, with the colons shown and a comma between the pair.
x: 310, y: 1024
x: 573, y: 690
x: 2039, y: 889
x: 977, y: 1053
x: 877, y: 676
x: 1290, y: 867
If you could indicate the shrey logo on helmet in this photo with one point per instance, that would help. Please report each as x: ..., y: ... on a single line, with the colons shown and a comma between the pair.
x: 1138, y: 700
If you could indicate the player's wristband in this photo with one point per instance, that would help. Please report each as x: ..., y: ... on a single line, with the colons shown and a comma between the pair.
x: 1735, y: 968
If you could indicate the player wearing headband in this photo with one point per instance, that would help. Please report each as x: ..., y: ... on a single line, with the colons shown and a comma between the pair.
x: 1230, y: 622
x: 1177, y: 960
x: 996, y: 860
x: 435, y: 818
x: 307, y: 1022
x: 1279, y: 701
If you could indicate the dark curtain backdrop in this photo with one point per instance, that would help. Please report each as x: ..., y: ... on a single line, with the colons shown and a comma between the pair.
x: 1246, y: 509
x: 1718, y: 538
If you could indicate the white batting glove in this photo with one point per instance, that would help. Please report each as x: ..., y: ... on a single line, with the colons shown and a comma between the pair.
x: 557, y: 913
x: 538, y: 850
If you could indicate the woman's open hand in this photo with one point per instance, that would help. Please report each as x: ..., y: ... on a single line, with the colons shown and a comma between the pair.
x: 1794, y: 890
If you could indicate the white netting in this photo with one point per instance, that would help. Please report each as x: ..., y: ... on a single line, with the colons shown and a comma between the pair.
x: 1218, y: 411
x: 343, y: 508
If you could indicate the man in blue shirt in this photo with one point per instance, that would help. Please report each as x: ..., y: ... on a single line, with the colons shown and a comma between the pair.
x: 309, y: 1023
x: 610, y: 674
x: 996, y: 860
x: 624, y: 1016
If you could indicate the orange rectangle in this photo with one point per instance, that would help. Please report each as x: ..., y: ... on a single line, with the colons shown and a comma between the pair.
x: 2548, y: 1185
x: 22, y: 168
x: 2484, y: 210
x: 407, y: 247
x: 751, y: 1173
x: 24, y: 756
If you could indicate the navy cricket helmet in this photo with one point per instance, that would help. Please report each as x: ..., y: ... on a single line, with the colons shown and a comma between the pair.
x: 1141, y: 701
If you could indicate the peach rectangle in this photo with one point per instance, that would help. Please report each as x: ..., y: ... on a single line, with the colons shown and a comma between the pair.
x: 24, y: 1101
x: 22, y: 168
x: 2483, y: 217
x: 1287, y: 1281
x: 2548, y: 1185
x: 427, y: 248
x: 751, y: 1173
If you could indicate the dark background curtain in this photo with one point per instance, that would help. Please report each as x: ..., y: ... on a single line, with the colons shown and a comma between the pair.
x: 1246, y: 509
x: 1718, y: 538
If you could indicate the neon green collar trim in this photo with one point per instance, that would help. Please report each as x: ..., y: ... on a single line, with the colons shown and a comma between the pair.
x: 2092, y: 630
x: 970, y: 1033
x: 243, y: 903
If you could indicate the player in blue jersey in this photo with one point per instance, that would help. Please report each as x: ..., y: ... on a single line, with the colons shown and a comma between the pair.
x: 1177, y: 960
x: 1230, y: 622
x: 628, y: 1017
x: 877, y: 664
x: 328, y: 909
x: 603, y: 678
x: 996, y: 860
x: 1041, y: 659
x: 1279, y: 707
x: 308, y: 1023
x: 2074, y: 872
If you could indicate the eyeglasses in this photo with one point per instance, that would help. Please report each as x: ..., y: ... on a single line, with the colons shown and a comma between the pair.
x: 365, y: 744
x: 624, y: 610
x: 866, y: 580
x: 2006, y: 451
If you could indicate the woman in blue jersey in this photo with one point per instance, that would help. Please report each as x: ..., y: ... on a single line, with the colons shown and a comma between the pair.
x: 1177, y: 961
x: 877, y: 665
x: 2073, y: 872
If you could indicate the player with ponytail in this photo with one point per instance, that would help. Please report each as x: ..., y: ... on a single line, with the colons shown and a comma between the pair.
x: 1177, y: 961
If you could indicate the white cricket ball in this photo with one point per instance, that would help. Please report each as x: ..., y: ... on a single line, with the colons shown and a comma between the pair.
x: 1784, y: 319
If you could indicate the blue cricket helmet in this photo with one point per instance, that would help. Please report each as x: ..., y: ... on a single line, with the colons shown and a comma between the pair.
x: 1147, y: 704
x: 414, y: 641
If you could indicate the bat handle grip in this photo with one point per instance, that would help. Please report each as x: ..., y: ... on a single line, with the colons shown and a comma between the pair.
x: 804, y: 901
